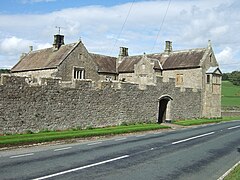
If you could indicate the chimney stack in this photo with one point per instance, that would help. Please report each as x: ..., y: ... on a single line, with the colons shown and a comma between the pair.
x: 168, y: 47
x: 209, y: 43
x: 123, y: 52
x: 30, y: 48
x: 58, y: 41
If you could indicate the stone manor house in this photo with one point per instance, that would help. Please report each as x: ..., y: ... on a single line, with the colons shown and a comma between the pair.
x: 161, y: 86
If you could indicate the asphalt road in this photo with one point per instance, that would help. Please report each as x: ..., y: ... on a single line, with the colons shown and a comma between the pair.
x: 205, y: 152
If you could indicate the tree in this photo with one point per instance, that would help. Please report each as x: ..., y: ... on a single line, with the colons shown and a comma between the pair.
x: 4, y: 71
x: 225, y: 76
x: 234, y: 77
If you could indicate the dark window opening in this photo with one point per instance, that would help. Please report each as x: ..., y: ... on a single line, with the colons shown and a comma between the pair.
x: 208, y: 79
x: 79, y: 73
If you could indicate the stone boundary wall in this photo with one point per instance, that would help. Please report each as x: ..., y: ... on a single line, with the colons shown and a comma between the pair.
x: 230, y: 113
x: 55, y: 105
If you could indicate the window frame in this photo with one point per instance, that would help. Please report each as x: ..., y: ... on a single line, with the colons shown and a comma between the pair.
x: 78, y: 73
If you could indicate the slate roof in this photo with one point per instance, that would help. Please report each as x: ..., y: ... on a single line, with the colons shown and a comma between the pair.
x: 175, y: 60
x: 106, y: 64
x: 48, y: 58
x: 127, y: 65
x: 128, y: 62
x: 44, y: 59
x: 184, y: 59
x: 213, y: 70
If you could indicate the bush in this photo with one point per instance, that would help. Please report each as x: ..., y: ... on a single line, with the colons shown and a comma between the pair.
x: 124, y: 123
x: 28, y: 132
x: 89, y: 127
x: 234, y: 77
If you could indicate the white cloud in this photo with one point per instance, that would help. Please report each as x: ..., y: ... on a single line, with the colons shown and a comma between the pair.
x: 188, y: 24
x: 225, y: 56
x: 13, y: 45
x: 43, y: 46
x: 227, y: 59
x: 11, y: 49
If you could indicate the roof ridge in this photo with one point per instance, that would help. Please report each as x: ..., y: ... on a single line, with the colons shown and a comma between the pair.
x: 102, y: 55
x: 39, y: 50
x: 187, y: 50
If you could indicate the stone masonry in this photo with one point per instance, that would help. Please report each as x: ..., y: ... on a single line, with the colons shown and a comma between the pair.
x: 55, y: 105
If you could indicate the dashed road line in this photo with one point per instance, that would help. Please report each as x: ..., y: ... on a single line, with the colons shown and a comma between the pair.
x: 94, y: 143
x: 22, y: 155
x: 61, y: 149
x: 234, y: 127
x: 191, y: 138
x: 83, y: 167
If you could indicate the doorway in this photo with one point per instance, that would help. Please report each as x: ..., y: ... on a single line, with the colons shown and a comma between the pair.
x: 164, y: 108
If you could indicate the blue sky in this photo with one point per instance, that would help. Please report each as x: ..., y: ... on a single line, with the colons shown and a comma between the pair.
x: 46, y: 6
x: 188, y: 24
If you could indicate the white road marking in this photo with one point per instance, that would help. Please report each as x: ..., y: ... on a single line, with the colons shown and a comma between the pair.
x: 22, y: 155
x: 61, y: 149
x: 157, y: 133
x: 234, y: 127
x: 94, y: 143
x: 226, y: 173
x: 83, y: 167
x: 141, y: 135
x: 194, y: 137
x: 120, y: 139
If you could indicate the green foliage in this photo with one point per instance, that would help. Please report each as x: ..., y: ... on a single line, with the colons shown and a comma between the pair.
x: 234, y: 77
x: 18, y: 139
x: 77, y: 128
x: 225, y: 76
x: 230, y: 94
x: 28, y: 132
x: 4, y: 71
x: 89, y: 127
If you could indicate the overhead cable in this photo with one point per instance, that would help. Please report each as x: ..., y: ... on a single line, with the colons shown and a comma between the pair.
x: 124, y: 23
x: 160, y: 28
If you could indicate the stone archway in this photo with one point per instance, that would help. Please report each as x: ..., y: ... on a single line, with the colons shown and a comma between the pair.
x: 164, y: 107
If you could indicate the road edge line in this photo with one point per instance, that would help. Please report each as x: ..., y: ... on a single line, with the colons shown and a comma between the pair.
x: 230, y: 170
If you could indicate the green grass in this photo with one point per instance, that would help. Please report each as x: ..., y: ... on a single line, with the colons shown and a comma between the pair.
x: 17, y: 139
x: 230, y: 94
x: 204, y: 121
x: 234, y: 175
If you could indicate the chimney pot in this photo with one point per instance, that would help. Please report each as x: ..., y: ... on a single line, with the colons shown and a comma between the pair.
x: 209, y: 43
x: 123, y: 52
x: 30, y: 48
x: 168, y: 47
x: 58, y: 41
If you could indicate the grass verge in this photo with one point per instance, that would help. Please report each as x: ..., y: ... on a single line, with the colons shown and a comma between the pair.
x: 230, y: 95
x: 204, y: 121
x: 234, y: 174
x: 19, y: 139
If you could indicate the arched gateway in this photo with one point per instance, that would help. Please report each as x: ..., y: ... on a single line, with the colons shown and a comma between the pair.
x: 164, y: 107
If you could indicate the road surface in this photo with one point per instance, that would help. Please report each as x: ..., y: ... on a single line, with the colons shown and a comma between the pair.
x: 204, y: 152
